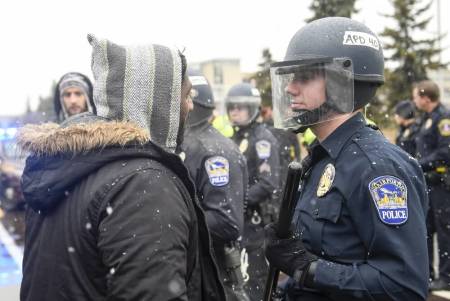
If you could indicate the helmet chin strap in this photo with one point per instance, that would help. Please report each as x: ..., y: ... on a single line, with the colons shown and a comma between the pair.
x: 309, y: 117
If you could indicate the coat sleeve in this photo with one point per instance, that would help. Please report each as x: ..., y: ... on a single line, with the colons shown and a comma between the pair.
x: 396, y: 267
x: 223, y: 204
x: 143, y: 238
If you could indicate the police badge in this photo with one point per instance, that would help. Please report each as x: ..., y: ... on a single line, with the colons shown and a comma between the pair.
x: 243, y: 146
x: 390, y: 197
x: 326, y: 180
x: 406, y: 133
x: 428, y: 123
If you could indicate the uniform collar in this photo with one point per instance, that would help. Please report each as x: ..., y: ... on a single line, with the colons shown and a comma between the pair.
x: 200, y: 126
x: 334, y: 143
x: 436, y: 112
x: 243, y: 131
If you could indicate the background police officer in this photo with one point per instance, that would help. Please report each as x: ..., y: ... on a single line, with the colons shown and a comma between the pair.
x: 287, y: 140
x: 432, y: 142
x: 261, y: 150
x: 359, y: 223
x: 408, y: 127
x: 219, y: 172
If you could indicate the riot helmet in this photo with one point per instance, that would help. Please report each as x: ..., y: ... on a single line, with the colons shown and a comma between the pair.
x: 202, y: 97
x: 243, y: 103
x: 332, y: 66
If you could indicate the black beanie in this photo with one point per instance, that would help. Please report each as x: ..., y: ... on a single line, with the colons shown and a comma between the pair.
x: 405, y: 109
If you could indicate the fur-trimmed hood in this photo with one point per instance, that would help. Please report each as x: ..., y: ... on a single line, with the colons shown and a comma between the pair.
x: 50, y: 139
x: 61, y: 157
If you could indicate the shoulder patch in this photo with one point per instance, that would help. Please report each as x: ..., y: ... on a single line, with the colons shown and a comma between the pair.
x: 390, y: 197
x: 263, y: 149
x: 218, y: 170
x: 444, y: 127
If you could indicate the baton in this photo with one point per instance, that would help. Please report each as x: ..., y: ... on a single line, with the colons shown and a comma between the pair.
x: 288, y: 204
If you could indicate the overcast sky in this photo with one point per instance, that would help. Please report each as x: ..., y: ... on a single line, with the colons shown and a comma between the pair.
x: 43, y: 39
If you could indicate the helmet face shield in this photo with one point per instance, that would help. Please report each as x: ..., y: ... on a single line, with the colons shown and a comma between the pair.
x: 242, y: 109
x: 307, y: 92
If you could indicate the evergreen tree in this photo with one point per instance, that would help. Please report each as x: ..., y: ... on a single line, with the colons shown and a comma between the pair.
x: 408, y: 50
x: 332, y: 8
x: 262, y: 78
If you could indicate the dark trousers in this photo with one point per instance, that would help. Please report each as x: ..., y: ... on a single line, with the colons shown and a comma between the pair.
x: 439, y: 219
x: 258, y: 267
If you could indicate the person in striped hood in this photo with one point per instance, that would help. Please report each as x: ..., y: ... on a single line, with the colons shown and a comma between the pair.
x: 73, y: 95
x: 112, y: 212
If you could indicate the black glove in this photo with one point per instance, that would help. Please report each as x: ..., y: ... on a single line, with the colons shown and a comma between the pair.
x: 289, y: 255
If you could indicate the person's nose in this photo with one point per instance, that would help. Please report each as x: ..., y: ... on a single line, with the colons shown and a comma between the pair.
x: 233, y: 110
x: 73, y: 99
x: 293, y: 88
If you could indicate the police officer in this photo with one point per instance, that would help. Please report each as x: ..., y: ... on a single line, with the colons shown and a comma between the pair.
x: 432, y: 142
x: 288, y: 143
x: 408, y: 126
x: 359, y: 225
x: 219, y: 172
x: 261, y: 150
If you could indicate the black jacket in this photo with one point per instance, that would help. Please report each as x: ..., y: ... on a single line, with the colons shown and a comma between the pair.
x: 406, y: 138
x: 112, y: 217
x: 433, y: 139
x: 219, y: 172
x: 289, y: 148
x: 362, y: 210
x: 261, y: 150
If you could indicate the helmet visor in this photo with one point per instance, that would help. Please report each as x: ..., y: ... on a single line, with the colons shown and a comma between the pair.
x: 307, y: 92
x: 242, y: 113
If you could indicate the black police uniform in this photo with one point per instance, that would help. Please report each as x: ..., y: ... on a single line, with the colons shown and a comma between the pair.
x: 406, y: 138
x: 289, y: 148
x: 261, y: 150
x: 219, y: 172
x: 362, y: 212
x: 433, y: 154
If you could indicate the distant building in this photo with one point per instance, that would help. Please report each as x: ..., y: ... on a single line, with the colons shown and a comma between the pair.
x: 222, y: 74
x: 442, y: 78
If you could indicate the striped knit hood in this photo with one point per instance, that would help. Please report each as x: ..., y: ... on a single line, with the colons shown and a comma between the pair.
x: 141, y: 84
